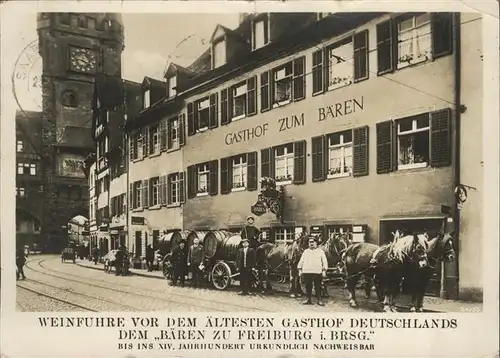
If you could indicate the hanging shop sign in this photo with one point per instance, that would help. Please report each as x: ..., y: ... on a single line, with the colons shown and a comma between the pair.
x: 270, y: 199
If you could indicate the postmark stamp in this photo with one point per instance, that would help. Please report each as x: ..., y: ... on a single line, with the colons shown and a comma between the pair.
x: 27, y: 78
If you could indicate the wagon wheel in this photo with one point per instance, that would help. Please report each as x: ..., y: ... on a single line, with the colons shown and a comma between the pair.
x: 167, y: 267
x: 221, y: 275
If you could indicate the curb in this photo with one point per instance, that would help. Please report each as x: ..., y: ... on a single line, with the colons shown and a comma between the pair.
x: 133, y: 272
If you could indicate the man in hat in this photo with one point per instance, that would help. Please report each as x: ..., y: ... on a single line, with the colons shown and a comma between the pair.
x: 245, y: 261
x: 195, y: 261
x: 250, y: 233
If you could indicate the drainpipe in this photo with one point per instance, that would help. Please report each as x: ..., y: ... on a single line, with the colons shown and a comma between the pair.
x: 450, y: 279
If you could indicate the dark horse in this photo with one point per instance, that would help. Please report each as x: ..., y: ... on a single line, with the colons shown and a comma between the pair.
x: 386, y: 263
x: 283, y: 260
x: 334, y: 248
x: 416, y: 279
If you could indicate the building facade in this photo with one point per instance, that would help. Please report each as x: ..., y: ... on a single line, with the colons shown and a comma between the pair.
x: 360, y: 118
x: 74, y: 47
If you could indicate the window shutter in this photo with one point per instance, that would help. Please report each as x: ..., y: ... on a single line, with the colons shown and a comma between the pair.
x: 271, y: 89
x: 385, y: 156
x: 230, y: 105
x: 224, y: 119
x: 213, y: 185
x: 182, y: 130
x: 360, y: 151
x: 132, y: 151
x: 169, y: 192
x: 163, y: 193
x: 192, y: 181
x: 251, y: 96
x: 182, y: 194
x: 318, y: 158
x: 213, y: 119
x: 361, y: 56
x: 317, y: 71
x: 442, y: 34
x: 224, y: 175
x: 299, y: 166
x: 440, y: 138
x: 151, y: 146
x: 251, y: 171
x: 169, y: 134
x: 264, y: 91
x: 145, y: 141
x: 326, y: 71
x: 385, y: 47
x: 267, y: 166
x: 299, y: 79
x: 191, y: 126
x: 145, y: 193
x: 112, y: 206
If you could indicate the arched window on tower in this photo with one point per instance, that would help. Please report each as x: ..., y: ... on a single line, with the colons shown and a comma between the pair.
x: 69, y: 99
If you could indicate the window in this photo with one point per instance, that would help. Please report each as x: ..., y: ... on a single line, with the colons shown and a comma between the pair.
x: 422, y: 140
x: 155, y: 191
x: 203, y: 179
x: 173, y: 133
x: 91, y: 23
x: 154, y: 137
x: 337, y: 229
x: 239, y: 172
x: 219, y: 53
x: 239, y: 168
x: 284, y: 162
x: 203, y: 114
x: 413, y: 142
x: 340, y: 64
x: 284, y: 236
x: 19, y: 146
x: 340, y: 154
x: 82, y: 22
x: 414, y: 40
x: 137, y: 192
x: 136, y: 147
x: 26, y: 168
x: 91, y: 210
x: 239, y: 101
x: 260, y: 33
x: 171, y: 86
x: 176, y: 188
x: 283, y: 85
x: 146, y: 99
x: 21, y: 192
x: 408, y: 40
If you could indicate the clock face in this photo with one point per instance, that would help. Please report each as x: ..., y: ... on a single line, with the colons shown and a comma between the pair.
x: 83, y: 60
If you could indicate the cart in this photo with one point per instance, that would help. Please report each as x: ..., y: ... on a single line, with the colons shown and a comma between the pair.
x: 68, y: 254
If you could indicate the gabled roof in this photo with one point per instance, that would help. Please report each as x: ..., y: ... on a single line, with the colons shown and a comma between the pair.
x: 219, y: 31
x: 152, y: 83
x: 174, y: 69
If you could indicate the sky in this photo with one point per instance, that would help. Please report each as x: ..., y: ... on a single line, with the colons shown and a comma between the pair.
x: 151, y: 40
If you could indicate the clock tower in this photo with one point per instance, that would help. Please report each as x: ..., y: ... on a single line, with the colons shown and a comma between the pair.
x: 75, y: 48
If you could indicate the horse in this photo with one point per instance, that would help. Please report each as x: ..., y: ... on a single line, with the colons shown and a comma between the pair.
x: 416, y: 279
x: 385, y: 264
x: 281, y: 259
x: 334, y: 248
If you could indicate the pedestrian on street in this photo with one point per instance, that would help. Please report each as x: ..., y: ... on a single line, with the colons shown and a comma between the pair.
x: 179, y: 260
x: 245, y: 261
x: 95, y: 254
x: 195, y: 261
x: 20, y: 261
x: 150, y: 257
x: 312, y: 266
x: 251, y: 233
x: 119, y: 261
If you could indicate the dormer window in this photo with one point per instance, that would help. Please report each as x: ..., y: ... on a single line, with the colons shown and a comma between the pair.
x: 260, y: 33
x: 146, y: 99
x: 171, y: 86
x: 219, y: 53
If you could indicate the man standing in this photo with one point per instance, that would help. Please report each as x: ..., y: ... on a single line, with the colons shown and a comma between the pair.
x: 150, y: 257
x: 312, y: 265
x: 119, y: 261
x: 20, y: 261
x: 179, y: 258
x: 250, y: 233
x: 195, y: 260
x: 245, y: 261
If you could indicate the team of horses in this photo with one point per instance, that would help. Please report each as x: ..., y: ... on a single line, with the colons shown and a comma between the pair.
x: 409, y: 260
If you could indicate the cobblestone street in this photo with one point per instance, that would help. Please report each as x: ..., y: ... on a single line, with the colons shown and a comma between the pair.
x: 55, y: 286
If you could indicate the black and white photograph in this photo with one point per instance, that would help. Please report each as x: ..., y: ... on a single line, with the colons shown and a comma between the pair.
x: 253, y: 162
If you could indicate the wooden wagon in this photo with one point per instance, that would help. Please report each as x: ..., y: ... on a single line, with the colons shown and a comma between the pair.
x: 68, y: 254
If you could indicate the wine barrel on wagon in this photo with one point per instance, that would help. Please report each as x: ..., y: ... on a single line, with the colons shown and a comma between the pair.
x: 213, y: 241
x: 228, y: 248
x: 177, y: 237
x: 165, y: 243
x: 193, y: 234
